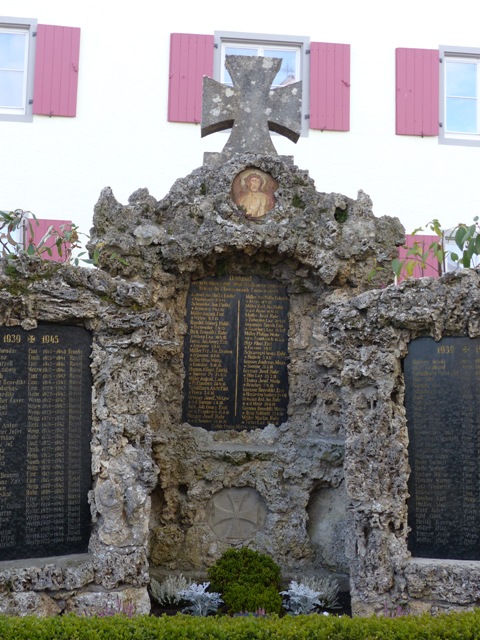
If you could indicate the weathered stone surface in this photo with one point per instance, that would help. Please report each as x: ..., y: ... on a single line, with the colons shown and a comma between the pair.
x: 372, y: 331
x: 328, y: 236
x: 127, y: 601
x: 450, y: 582
x: 328, y: 526
x: 127, y: 326
x: 29, y: 603
x: 67, y: 572
x: 250, y: 108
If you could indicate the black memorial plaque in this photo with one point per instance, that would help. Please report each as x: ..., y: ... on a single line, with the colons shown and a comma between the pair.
x: 45, y: 431
x: 442, y: 401
x: 236, y: 353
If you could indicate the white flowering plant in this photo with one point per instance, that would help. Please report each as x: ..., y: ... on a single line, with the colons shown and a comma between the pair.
x: 202, y: 602
x: 167, y: 593
x: 309, y: 596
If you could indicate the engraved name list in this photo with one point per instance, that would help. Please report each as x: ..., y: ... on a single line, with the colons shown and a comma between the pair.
x: 236, y: 353
x: 442, y: 391
x: 45, y: 418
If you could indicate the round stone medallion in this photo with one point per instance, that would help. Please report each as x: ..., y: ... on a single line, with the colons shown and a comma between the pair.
x: 236, y: 513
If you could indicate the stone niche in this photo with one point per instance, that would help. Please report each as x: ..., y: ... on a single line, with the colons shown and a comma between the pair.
x: 321, y: 483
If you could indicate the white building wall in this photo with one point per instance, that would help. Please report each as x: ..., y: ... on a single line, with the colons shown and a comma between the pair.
x: 56, y: 167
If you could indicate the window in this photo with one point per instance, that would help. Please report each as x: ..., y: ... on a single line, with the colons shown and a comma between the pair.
x: 459, y: 96
x: 38, y: 69
x: 324, y: 69
x: 437, y: 93
x: 17, y: 56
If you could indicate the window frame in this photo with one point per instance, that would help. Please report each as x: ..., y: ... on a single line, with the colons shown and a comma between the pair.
x: 30, y: 26
x: 465, y: 53
x: 244, y: 39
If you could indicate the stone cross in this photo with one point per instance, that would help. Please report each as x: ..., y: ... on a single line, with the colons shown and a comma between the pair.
x: 251, y: 108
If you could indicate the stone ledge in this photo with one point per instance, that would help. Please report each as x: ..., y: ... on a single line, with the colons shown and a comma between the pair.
x: 58, y: 561
x: 53, y: 574
x: 455, y: 582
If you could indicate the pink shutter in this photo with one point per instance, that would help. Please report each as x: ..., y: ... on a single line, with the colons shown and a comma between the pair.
x: 56, y: 71
x: 432, y: 267
x: 330, y: 86
x: 40, y: 227
x: 417, y: 87
x: 191, y: 58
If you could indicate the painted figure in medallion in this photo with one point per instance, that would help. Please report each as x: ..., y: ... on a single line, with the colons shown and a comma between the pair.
x: 253, y: 193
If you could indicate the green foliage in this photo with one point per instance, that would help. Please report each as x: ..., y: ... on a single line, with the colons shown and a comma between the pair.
x: 461, y: 626
x: 466, y: 238
x: 418, y: 255
x: 248, y: 580
x: 243, y: 597
x: 14, y: 225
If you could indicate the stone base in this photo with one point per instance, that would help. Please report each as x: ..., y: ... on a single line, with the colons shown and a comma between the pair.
x: 216, y: 159
x: 64, y: 584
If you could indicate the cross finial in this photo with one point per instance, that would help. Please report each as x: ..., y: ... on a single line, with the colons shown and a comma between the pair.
x: 251, y: 107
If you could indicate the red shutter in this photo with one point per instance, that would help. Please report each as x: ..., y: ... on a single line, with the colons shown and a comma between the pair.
x: 191, y: 58
x: 40, y: 227
x: 56, y: 71
x: 330, y: 86
x: 432, y: 267
x: 417, y: 86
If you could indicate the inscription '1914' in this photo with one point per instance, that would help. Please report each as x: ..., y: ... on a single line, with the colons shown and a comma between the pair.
x: 442, y: 391
x: 236, y: 353
x: 45, y: 430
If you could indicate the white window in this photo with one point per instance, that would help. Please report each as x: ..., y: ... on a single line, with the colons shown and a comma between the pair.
x: 17, y: 57
x: 291, y: 49
x: 459, y: 96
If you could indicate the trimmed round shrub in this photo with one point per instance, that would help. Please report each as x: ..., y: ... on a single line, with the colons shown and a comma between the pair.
x: 248, y: 581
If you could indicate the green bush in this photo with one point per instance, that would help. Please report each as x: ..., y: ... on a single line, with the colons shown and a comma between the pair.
x: 248, y: 581
x: 455, y: 626
x: 252, y: 598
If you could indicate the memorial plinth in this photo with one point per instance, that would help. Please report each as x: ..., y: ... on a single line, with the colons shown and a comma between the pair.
x: 236, y: 353
x: 45, y: 417
x: 442, y: 385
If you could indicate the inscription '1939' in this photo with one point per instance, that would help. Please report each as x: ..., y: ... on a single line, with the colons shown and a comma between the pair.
x: 236, y: 353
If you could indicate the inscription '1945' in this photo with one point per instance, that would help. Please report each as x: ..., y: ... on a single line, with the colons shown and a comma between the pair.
x: 236, y: 353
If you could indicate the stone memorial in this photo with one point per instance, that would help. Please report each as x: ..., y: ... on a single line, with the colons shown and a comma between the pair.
x: 251, y: 385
